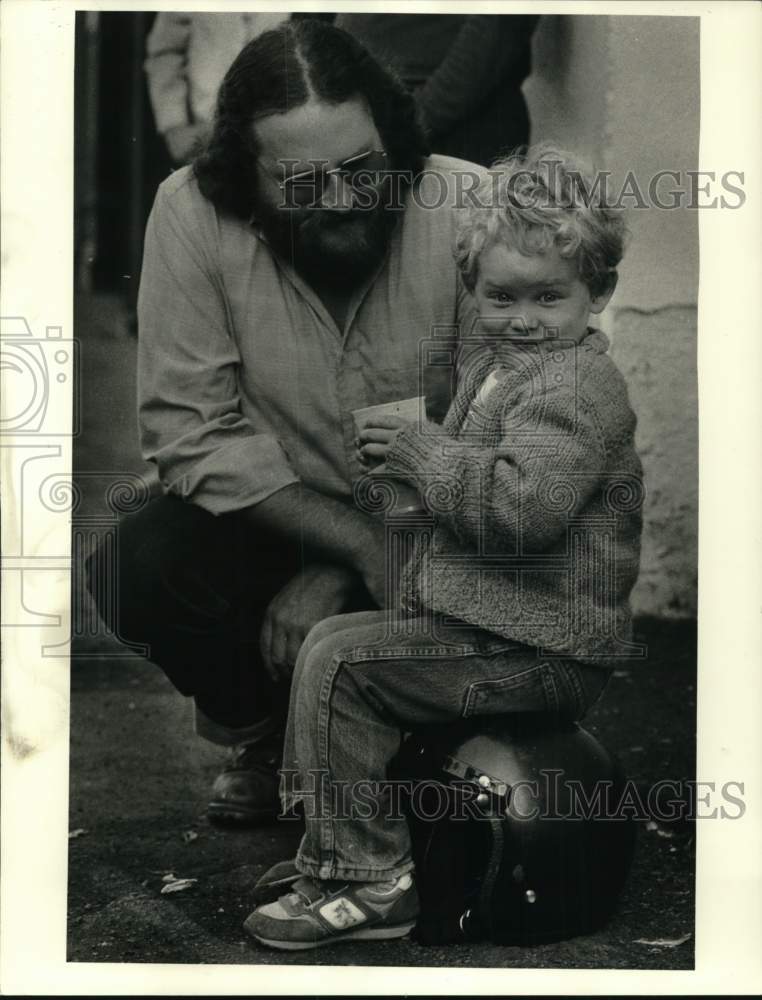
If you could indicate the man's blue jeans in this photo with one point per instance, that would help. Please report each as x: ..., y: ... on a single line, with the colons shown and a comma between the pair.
x: 361, y: 681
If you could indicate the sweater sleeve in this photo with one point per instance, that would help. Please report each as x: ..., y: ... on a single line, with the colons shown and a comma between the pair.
x: 191, y: 424
x: 550, y: 458
x: 165, y: 68
x: 487, y: 50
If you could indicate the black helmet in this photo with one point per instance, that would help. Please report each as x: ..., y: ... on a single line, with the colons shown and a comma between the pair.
x: 515, y: 830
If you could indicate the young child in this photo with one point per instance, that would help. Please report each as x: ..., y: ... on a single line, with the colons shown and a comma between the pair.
x: 521, y: 604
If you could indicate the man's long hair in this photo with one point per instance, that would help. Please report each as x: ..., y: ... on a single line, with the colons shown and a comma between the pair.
x: 279, y: 71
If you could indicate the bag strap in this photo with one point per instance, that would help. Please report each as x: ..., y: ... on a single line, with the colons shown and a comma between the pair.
x: 490, y: 874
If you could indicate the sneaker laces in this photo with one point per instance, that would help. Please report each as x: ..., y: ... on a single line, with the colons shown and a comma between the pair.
x: 309, y: 890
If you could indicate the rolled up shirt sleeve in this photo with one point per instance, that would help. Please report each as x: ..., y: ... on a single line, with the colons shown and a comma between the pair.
x: 191, y: 424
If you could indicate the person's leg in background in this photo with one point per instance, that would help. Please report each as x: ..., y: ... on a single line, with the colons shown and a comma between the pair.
x: 194, y: 588
x: 358, y: 686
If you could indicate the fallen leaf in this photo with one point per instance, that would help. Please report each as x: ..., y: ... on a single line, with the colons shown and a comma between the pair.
x: 650, y: 825
x: 189, y: 836
x: 664, y: 942
x: 73, y: 834
x: 169, y: 877
x: 179, y: 886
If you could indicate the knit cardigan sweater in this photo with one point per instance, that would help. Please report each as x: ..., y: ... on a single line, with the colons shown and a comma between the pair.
x: 536, y: 493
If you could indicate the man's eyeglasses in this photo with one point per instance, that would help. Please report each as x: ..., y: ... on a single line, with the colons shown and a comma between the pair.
x: 364, y: 171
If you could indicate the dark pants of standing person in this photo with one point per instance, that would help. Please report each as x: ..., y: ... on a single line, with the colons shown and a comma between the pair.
x: 194, y: 588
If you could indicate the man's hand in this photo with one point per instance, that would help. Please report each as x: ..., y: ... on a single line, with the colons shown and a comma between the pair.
x: 345, y: 548
x: 375, y: 440
x: 332, y: 533
x: 318, y: 592
x: 184, y: 141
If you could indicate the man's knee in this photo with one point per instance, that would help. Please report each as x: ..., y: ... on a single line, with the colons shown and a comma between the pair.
x: 116, y: 571
x: 129, y: 572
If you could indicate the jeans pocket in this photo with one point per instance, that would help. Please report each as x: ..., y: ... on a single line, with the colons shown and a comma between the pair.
x: 531, y: 689
x: 558, y: 688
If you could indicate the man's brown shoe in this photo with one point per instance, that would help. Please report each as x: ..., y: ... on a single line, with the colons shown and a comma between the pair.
x: 246, y: 792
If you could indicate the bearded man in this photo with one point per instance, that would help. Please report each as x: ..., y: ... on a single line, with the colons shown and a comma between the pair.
x: 289, y: 276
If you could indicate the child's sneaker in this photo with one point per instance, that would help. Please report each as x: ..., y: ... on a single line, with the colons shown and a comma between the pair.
x: 319, y: 912
x: 276, y: 881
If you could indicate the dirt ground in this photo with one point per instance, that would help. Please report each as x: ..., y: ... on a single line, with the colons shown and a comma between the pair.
x: 140, y: 778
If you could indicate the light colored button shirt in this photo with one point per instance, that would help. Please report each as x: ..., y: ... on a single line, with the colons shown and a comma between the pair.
x: 187, y: 55
x: 246, y: 384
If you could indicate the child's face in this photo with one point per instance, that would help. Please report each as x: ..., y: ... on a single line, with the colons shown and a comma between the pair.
x: 538, y: 295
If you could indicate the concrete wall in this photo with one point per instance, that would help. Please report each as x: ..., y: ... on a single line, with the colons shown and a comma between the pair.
x: 624, y: 93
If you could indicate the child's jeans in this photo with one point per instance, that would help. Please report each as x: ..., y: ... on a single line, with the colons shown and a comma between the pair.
x: 360, y: 682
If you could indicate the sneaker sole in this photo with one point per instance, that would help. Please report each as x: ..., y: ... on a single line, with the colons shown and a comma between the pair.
x: 360, y: 934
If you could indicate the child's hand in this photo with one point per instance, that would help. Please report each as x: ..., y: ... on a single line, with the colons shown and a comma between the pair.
x: 375, y: 440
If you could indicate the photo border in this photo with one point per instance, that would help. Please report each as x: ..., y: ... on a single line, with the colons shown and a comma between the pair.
x: 37, y: 250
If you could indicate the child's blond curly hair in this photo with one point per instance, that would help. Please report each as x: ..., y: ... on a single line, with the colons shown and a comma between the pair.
x: 542, y: 198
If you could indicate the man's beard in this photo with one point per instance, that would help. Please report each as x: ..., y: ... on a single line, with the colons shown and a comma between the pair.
x: 332, y: 250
